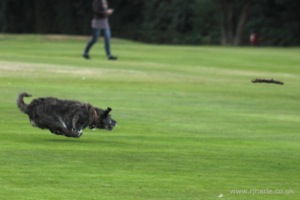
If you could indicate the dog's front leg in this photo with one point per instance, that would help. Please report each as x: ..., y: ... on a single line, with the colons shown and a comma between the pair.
x: 76, y: 127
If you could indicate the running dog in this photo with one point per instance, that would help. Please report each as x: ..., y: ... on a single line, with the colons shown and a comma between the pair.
x: 65, y: 117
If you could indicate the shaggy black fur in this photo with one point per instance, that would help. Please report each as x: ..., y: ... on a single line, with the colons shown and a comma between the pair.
x: 65, y: 117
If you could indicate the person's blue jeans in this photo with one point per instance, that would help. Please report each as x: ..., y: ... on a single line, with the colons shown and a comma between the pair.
x: 95, y: 35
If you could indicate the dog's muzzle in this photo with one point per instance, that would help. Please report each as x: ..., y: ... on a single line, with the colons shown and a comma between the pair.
x: 111, y: 125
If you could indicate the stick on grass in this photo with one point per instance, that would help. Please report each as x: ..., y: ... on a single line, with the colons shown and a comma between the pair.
x: 267, y: 81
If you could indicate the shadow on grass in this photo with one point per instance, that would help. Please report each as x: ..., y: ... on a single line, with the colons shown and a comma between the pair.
x: 93, y: 140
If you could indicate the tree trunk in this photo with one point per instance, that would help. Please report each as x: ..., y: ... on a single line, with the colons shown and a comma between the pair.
x: 226, y: 21
x: 241, y: 23
x: 233, y: 20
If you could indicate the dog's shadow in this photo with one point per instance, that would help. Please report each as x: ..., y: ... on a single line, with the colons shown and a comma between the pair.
x: 62, y: 140
x: 70, y: 140
x: 77, y: 141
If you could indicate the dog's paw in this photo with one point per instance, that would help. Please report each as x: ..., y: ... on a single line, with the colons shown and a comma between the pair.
x: 78, y: 132
x: 74, y: 130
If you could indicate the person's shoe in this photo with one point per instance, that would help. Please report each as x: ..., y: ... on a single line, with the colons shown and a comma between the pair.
x: 86, y: 56
x: 111, y: 57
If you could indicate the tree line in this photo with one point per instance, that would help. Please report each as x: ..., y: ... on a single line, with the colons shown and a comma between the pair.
x: 227, y: 22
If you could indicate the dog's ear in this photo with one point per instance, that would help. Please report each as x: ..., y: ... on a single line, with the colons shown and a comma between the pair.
x: 106, y: 112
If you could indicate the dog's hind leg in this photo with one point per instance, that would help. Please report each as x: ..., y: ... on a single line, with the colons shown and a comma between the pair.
x: 62, y: 122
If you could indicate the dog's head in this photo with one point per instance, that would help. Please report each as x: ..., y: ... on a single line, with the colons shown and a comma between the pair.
x: 104, y: 119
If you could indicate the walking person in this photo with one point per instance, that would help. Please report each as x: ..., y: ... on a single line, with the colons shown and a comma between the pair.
x: 100, y: 26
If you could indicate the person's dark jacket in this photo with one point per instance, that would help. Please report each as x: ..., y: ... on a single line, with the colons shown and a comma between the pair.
x: 99, y: 10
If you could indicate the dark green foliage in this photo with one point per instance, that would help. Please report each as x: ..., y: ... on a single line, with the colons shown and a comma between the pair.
x: 127, y: 18
x: 15, y: 16
x: 168, y: 21
x: 277, y: 22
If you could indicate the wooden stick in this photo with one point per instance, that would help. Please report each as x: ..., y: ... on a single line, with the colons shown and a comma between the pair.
x: 267, y: 81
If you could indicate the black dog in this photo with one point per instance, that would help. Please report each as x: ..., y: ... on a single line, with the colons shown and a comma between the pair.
x: 65, y: 117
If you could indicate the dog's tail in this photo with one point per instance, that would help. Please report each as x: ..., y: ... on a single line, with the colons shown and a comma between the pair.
x: 20, y: 102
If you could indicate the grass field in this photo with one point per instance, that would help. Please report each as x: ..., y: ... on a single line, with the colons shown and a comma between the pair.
x: 191, y: 125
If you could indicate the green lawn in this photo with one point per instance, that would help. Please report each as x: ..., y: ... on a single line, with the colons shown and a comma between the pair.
x: 191, y: 125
